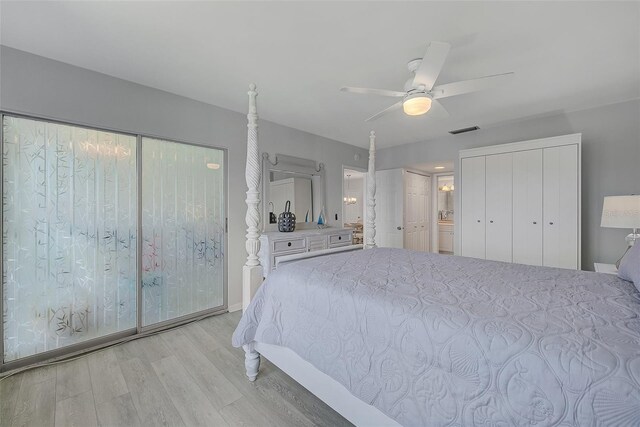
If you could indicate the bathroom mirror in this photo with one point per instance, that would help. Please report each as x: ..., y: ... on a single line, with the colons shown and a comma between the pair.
x: 287, y: 178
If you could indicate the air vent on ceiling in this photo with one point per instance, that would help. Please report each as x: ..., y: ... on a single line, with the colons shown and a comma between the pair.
x: 463, y: 130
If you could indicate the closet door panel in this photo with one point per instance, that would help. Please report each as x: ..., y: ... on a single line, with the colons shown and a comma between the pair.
x: 473, y: 207
x: 499, y: 215
x: 560, y: 206
x: 527, y: 207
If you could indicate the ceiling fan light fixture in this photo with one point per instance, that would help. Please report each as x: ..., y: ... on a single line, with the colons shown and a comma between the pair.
x: 416, y: 104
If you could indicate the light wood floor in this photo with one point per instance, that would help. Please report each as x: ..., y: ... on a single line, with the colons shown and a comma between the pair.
x: 187, y: 376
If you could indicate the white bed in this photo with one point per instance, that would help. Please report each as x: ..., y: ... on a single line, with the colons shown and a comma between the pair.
x: 446, y: 340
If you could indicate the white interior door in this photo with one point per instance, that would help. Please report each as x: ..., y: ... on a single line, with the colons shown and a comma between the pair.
x: 472, y: 186
x: 416, y: 211
x: 527, y: 207
x: 499, y: 221
x: 389, y: 208
x: 560, y: 207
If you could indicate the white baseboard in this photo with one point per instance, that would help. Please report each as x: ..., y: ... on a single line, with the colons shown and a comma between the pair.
x: 235, y: 307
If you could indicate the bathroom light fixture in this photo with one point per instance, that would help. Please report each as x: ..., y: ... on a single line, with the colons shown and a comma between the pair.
x: 214, y: 166
x: 439, y: 167
x: 416, y: 104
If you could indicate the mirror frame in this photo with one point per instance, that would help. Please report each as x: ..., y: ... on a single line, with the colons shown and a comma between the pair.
x: 293, y: 165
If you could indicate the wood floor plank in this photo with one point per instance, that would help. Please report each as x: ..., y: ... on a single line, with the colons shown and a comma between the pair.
x: 76, y: 411
x: 243, y: 413
x: 215, y: 385
x: 36, y: 375
x: 118, y: 411
x: 72, y: 379
x: 107, y: 380
x: 149, y: 348
x: 149, y: 397
x: 36, y: 404
x: 200, y: 337
x: 9, y: 391
x: 268, y: 402
x: 189, y: 399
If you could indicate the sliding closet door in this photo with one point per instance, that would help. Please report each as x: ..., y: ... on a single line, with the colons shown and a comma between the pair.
x: 560, y: 206
x: 527, y: 207
x: 499, y: 189
x: 69, y: 235
x: 183, y: 230
x: 473, y: 206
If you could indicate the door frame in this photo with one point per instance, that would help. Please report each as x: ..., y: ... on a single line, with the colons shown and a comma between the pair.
x: 435, y: 237
x: 108, y: 340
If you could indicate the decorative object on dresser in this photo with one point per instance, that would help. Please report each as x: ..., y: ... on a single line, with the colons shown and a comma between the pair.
x: 520, y: 202
x: 287, y: 219
x: 622, y: 212
x: 274, y: 245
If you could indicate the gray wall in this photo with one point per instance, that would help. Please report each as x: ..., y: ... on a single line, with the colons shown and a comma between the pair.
x: 42, y: 87
x: 610, y: 161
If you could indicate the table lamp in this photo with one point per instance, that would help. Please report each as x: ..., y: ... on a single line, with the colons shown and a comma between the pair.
x: 622, y: 212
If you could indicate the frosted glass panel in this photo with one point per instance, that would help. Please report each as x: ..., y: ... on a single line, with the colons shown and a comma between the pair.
x: 182, y: 229
x: 69, y: 235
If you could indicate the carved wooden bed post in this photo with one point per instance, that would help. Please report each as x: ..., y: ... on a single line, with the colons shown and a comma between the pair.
x: 370, y: 231
x: 252, y: 270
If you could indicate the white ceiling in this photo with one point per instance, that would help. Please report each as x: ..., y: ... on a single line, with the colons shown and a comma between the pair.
x: 566, y: 55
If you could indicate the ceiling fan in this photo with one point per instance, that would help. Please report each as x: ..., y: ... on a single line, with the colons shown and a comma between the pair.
x: 420, y: 93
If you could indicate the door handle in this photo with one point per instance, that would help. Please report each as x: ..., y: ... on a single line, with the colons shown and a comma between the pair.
x: 491, y: 221
x: 534, y: 222
x: 399, y: 228
x: 551, y: 223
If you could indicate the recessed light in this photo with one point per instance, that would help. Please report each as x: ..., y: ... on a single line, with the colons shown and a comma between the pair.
x: 213, y: 166
x: 439, y: 167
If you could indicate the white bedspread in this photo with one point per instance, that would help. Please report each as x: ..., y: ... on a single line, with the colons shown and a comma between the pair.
x: 442, y: 340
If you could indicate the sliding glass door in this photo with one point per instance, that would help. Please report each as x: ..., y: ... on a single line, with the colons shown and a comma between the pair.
x: 69, y: 235
x: 74, y: 269
x: 183, y: 230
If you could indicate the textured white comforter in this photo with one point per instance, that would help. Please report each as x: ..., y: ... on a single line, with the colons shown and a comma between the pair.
x: 442, y: 340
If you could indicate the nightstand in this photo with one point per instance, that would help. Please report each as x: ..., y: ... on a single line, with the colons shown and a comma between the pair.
x: 605, y: 268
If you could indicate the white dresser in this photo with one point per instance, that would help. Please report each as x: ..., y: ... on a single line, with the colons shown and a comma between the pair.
x: 275, y: 244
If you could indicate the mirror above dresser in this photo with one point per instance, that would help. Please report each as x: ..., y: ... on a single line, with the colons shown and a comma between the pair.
x: 299, y: 181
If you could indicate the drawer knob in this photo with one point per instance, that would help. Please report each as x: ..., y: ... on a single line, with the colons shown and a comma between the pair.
x: 534, y: 222
x: 339, y: 237
x: 288, y: 243
x: 491, y: 221
x: 551, y: 223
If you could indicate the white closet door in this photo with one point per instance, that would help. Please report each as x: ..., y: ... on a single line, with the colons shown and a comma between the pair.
x: 527, y: 207
x: 499, y: 212
x: 389, y: 208
x: 473, y: 207
x: 560, y: 206
x: 416, y: 211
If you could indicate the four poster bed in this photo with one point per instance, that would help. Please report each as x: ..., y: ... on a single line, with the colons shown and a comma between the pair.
x: 398, y: 337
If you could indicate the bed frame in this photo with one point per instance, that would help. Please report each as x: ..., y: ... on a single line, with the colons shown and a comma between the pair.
x: 324, y: 387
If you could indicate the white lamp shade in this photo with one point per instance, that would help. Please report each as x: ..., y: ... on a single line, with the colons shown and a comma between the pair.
x: 621, y: 212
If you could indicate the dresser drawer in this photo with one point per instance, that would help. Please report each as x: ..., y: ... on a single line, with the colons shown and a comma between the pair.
x: 339, y: 239
x: 289, y: 245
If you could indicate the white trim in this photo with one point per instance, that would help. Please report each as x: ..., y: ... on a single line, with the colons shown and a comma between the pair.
x: 235, y: 307
x: 533, y: 144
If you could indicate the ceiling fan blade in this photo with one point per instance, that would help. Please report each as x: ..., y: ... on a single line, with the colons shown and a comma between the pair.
x: 431, y: 65
x: 368, y: 91
x: 437, y: 111
x: 395, y: 106
x: 466, y: 86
